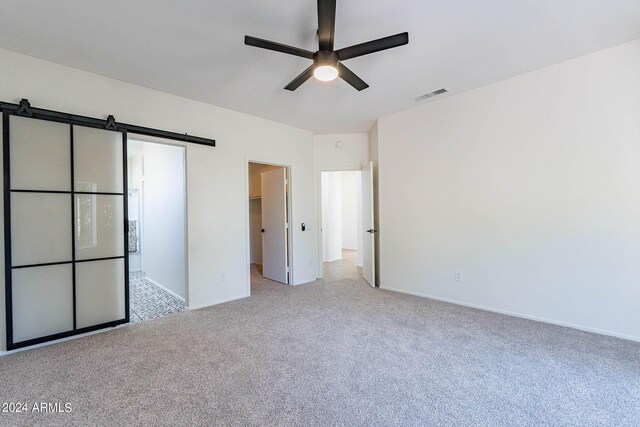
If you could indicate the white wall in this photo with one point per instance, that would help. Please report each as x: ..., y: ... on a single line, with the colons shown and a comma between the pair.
x: 134, y: 175
x: 529, y: 187
x: 353, y: 154
x: 341, y: 214
x: 352, y: 212
x: 332, y: 216
x: 349, y: 204
x: 163, y: 217
x: 216, y: 177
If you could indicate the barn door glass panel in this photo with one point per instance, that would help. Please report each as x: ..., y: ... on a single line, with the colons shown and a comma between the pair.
x: 40, y: 155
x: 40, y: 228
x: 99, y: 222
x: 97, y: 160
x: 100, y: 291
x: 42, y: 301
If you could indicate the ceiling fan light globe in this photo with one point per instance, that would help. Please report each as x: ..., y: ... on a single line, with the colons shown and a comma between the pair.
x: 325, y: 73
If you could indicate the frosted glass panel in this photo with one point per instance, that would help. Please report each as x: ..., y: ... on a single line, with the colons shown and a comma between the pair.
x: 99, y: 226
x: 99, y: 292
x: 97, y: 156
x: 42, y: 301
x: 40, y: 228
x: 40, y: 154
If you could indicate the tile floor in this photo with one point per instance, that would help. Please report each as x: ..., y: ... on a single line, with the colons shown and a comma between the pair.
x: 147, y: 301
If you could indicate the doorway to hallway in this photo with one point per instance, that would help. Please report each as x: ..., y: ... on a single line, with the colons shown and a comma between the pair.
x: 342, y: 239
x: 345, y: 203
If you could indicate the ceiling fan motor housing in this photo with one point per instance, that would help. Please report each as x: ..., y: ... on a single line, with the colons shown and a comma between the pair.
x: 325, y: 57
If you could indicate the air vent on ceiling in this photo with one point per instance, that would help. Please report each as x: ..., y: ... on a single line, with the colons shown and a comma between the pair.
x: 429, y: 95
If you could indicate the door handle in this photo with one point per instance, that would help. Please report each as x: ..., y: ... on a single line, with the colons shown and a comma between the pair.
x: 372, y: 230
x: 262, y: 230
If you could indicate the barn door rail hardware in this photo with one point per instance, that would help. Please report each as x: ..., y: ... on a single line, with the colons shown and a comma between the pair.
x: 25, y: 109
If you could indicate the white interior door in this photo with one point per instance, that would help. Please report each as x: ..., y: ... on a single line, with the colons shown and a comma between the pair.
x: 368, y: 240
x: 274, y: 225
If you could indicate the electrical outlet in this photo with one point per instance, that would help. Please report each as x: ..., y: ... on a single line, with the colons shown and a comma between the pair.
x: 458, y: 276
x: 222, y: 277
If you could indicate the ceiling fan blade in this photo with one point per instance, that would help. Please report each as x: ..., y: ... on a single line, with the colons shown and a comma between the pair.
x: 326, y: 23
x: 350, y: 77
x: 302, y: 77
x: 278, y: 47
x: 373, y: 46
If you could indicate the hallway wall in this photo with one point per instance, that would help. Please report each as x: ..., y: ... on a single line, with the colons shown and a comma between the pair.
x: 134, y: 175
x: 163, y: 217
x: 341, y: 214
x: 352, y: 231
x: 331, y: 216
x: 349, y: 202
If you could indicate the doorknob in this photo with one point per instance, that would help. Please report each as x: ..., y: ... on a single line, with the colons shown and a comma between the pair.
x: 372, y: 230
x: 262, y: 230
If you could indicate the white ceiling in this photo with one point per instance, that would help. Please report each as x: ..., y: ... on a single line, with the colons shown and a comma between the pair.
x: 195, y: 48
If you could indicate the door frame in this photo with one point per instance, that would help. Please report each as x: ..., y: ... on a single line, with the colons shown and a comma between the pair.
x: 164, y: 141
x: 270, y: 162
x: 320, y: 272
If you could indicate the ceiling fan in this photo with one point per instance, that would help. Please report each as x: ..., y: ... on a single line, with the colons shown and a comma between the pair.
x: 327, y: 62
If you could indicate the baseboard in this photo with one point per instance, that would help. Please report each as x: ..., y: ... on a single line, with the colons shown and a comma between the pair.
x: 221, y: 301
x: 520, y: 315
x: 169, y: 291
x: 332, y: 260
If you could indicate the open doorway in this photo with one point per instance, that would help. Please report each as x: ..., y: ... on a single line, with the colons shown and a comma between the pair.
x: 157, y: 229
x: 342, y: 234
x: 269, y: 212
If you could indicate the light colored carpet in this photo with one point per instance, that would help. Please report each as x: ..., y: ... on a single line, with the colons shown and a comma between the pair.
x: 331, y: 353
